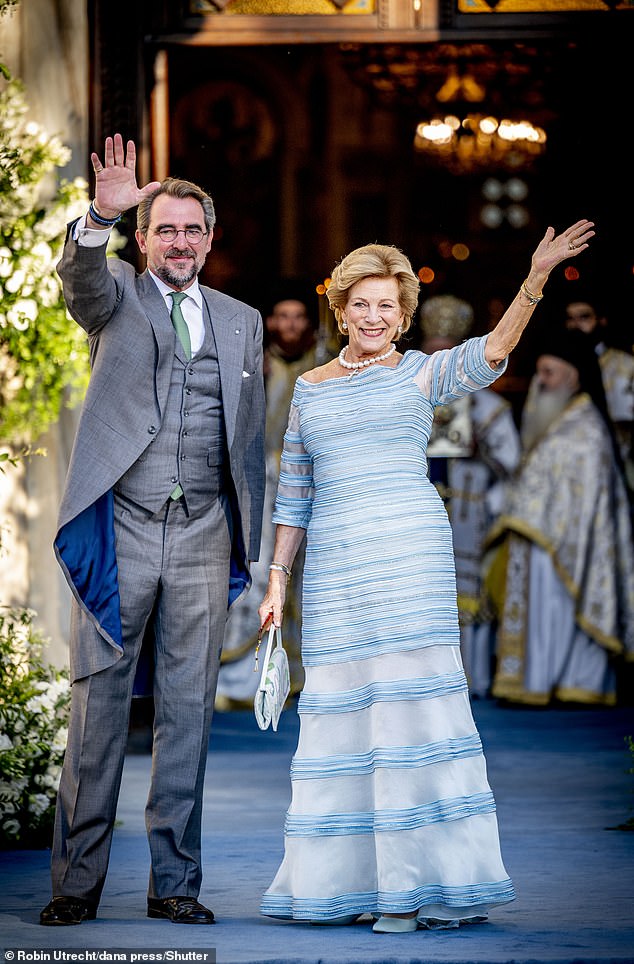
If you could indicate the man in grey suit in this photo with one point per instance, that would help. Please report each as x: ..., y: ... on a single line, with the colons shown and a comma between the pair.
x: 160, y: 516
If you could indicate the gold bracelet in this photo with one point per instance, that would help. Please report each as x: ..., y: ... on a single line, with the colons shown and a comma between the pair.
x: 534, y: 299
x: 280, y: 567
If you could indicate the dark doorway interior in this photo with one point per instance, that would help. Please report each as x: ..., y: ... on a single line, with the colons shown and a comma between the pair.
x: 306, y: 159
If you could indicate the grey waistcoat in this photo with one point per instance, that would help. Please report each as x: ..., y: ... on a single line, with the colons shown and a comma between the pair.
x: 190, y: 447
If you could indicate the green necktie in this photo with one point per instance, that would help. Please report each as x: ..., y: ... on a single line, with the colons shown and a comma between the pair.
x: 181, y: 329
x: 180, y: 325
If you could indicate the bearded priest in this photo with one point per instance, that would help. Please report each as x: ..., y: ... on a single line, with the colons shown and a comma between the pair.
x: 562, y: 574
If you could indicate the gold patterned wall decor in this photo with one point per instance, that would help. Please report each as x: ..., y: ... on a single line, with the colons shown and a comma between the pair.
x: 282, y: 7
x: 541, y: 6
x: 216, y: 22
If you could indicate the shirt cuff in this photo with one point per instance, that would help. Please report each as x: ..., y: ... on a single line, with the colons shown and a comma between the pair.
x: 89, y: 237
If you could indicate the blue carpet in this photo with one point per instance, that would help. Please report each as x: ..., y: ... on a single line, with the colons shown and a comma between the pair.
x: 561, y: 780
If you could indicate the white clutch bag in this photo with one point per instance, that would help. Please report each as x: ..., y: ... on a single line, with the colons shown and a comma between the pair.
x: 275, y: 682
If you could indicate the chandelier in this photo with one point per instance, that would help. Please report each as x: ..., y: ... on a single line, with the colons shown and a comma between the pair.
x: 473, y: 107
x: 474, y: 140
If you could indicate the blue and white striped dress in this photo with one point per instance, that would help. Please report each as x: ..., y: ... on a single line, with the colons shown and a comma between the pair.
x: 391, y: 809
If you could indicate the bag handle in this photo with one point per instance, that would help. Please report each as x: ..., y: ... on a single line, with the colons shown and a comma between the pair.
x: 268, y: 622
x: 275, y: 632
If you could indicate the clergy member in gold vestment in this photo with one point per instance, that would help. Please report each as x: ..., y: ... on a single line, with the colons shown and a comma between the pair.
x: 563, y: 575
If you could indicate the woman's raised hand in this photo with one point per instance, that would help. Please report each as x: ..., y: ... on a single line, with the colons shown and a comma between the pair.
x: 553, y: 249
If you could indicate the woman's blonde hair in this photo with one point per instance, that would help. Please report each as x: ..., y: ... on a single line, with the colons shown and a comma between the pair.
x: 374, y: 261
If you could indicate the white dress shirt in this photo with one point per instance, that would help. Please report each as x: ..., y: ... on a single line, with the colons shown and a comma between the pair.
x: 191, y: 306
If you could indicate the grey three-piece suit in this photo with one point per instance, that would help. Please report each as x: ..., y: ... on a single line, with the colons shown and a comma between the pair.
x: 141, y: 564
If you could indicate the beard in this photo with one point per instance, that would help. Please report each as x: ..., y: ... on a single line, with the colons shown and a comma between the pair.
x: 177, y: 277
x: 542, y: 407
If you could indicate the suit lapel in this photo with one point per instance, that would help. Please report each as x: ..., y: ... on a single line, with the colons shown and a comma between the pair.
x: 155, y: 308
x: 229, y: 334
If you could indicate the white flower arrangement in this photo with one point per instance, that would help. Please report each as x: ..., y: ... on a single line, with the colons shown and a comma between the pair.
x: 43, y: 353
x: 34, y: 707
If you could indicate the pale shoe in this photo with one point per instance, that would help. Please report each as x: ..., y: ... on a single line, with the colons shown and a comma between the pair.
x: 435, y: 924
x: 438, y: 924
x: 440, y: 917
x: 395, y: 925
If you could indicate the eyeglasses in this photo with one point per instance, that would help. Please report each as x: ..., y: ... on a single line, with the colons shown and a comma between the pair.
x: 193, y: 235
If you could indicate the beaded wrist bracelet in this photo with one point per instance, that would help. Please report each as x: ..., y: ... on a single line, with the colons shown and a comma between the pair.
x: 99, y: 218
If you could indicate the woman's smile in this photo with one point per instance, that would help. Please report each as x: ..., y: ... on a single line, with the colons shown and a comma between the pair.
x: 372, y: 314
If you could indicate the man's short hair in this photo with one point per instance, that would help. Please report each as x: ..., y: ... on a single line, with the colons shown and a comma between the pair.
x: 178, y: 188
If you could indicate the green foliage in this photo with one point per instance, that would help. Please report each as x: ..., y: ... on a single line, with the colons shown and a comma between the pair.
x: 34, y: 706
x: 13, y: 458
x: 43, y: 353
x: 6, y: 457
x: 7, y: 5
x: 43, y: 360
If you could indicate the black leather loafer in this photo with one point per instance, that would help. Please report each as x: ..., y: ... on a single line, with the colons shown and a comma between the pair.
x: 67, y: 910
x: 180, y: 910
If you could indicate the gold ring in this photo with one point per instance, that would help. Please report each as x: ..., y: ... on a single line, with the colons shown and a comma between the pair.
x: 571, y: 246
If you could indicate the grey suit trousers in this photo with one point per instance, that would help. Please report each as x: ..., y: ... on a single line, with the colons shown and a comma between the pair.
x: 174, y: 567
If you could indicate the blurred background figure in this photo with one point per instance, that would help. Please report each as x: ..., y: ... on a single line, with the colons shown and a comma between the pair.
x: 585, y: 313
x: 290, y: 324
x: 474, y: 447
x: 562, y: 577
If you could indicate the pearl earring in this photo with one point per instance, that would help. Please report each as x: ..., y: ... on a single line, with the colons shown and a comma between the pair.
x: 399, y: 330
x: 344, y: 325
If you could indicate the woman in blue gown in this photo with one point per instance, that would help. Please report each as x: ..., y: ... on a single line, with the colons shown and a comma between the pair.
x: 391, y: 811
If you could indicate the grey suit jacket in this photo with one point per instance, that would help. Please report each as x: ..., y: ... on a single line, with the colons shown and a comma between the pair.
x: 131, y: 361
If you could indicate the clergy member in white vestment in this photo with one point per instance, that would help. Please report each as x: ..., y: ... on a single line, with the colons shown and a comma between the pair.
x: 474, y: 448
x: 617, y: 372
x: 563, y: 574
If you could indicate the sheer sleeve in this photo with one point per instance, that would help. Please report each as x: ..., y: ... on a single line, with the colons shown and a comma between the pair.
x: 294, y: 501
x: 453, y: 372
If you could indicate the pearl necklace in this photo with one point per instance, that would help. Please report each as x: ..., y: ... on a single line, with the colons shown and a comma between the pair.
x: 357, y: 366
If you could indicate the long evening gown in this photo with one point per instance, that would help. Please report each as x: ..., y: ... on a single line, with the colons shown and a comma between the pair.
x: 391, y: 809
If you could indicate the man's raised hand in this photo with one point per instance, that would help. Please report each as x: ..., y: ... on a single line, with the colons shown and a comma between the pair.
x: 116, y: 188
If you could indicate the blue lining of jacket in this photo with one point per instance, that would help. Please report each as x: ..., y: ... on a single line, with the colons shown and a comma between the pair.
x: 86, y: 547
